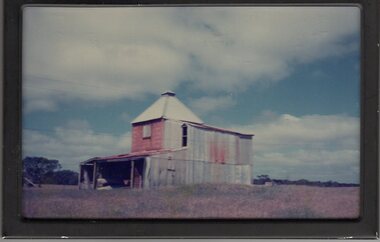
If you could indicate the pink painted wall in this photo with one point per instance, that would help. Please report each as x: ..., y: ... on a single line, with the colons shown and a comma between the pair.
x: 155, y: 142
x: 218, y: 151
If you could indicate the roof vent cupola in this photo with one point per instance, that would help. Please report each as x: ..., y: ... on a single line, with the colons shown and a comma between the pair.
x: 168, y: 93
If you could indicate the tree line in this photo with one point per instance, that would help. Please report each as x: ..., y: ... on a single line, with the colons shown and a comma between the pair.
x: 262, y: 179
x: 41, y: 170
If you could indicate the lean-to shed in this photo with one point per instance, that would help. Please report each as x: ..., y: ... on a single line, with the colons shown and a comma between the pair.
x: 172, y: 146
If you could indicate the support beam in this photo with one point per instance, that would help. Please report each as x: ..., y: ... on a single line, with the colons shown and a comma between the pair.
x: 80, y: 177
x: 132, y: 172
x: 146, y: 177
x: 141, y: 178
x: 94, y: 177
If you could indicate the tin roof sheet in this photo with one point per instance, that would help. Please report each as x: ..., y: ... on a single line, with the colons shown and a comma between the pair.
x: 129, y: 155
x: 209, y: 127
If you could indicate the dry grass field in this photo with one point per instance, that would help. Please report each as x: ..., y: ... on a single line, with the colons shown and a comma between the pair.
x: 194, y: 201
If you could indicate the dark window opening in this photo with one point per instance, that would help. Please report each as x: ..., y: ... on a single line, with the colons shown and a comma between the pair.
x: 184, y: 135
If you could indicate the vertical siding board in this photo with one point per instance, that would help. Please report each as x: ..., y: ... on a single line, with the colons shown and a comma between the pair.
x: 232, y: 173
x: 200, y: 144
x: 190, y: 169
x: 233, y: 156
x: 225, y: 174
x: 158, y: 172
x: 247, y: 175
x: 242, y: 149
x: 206, y: 146
x: 179, y: 172
x: 183, y: 173
x: 201, y: 137
x: 219, y: 146
x: 195, y: 144
x: 224, y: 147
x: 246, y: 151
x: 198, y: 171
x: 212, y: 176
x: 146, y: 178
x: 205, y: 171
x: 176, y: 173
x: 210, y: 148
x: 172, y: 134
x: 152, y: 180
x: 182, y: 179
x: 164, y: 172
x: 237, y: 150
x: 191, y: 143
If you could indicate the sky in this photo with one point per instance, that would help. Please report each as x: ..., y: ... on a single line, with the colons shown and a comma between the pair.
x: 289, y: 75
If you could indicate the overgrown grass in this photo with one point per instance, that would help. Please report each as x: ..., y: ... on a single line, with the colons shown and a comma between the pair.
x: 193, y: 201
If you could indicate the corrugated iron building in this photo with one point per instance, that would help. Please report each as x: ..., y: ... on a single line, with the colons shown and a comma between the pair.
x: 172, y: 146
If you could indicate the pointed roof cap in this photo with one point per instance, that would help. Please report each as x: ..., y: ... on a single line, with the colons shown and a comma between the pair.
x: 168, y: 106
x: 168, y: 93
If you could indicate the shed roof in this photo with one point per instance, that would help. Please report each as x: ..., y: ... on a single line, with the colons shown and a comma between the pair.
x: 129, y: 156
x: 169, y: 107
x: 213, y: 128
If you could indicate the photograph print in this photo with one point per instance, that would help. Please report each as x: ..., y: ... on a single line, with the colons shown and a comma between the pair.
x: 222, y: 112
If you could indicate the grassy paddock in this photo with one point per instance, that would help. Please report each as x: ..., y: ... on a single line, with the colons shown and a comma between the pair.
x: 193, y: 201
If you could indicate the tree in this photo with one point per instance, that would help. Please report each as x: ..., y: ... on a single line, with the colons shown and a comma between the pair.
x: 36, y: 168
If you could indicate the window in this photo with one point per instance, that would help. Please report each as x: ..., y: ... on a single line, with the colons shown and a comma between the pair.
x: 184, y: 135
x: 147, y: 131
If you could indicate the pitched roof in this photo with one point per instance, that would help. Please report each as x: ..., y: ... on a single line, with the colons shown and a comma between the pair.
x: 169, y: 107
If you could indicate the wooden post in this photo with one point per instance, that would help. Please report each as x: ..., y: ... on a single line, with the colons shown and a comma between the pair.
x: 142, y: 174
x: 80, y: 177
x: 94, y: 178
x: 132, y: 172
x: 147, y: 173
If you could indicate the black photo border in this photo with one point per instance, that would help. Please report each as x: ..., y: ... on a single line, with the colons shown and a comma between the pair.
x: 366, y: 227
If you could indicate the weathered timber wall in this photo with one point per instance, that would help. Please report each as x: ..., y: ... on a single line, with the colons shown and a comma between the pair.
x: 173, y: 169
x: 209, y: 145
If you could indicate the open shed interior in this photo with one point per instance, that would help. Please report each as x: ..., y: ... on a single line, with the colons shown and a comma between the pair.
x: 118, y: 174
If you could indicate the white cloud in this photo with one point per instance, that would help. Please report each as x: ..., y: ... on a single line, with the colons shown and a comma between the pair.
x: 319, y: 147
x: 73, y: 143
x: 288, y: 130
x: 105, y: 54
x: 39, y: 104
x: 206, y: 105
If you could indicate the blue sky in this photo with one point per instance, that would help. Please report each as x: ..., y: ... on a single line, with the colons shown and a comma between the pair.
x: 289, y: 75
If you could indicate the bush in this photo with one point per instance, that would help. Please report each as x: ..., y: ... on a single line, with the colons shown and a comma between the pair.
x: 63, y: 177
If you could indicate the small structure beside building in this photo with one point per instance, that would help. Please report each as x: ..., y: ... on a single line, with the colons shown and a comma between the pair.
x: 172, y: 146
x: 28, y: 183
